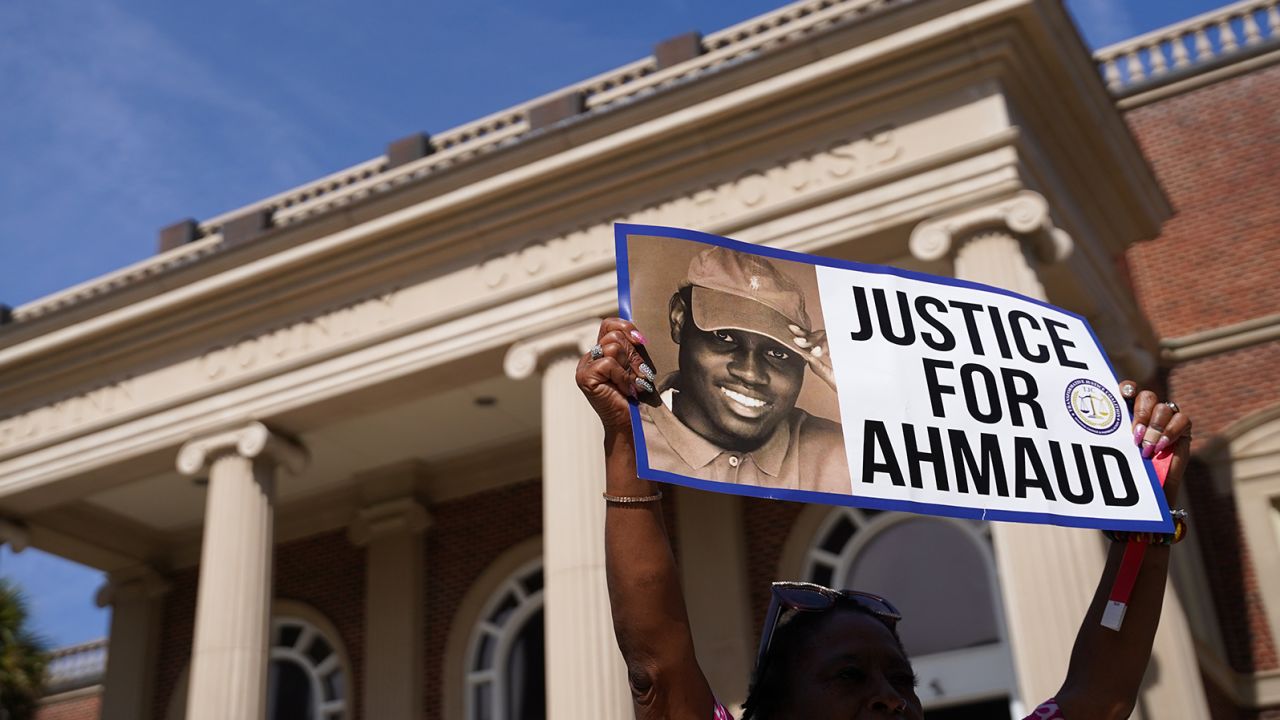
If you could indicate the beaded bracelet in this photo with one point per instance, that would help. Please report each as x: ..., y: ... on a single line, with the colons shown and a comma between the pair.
x: 629, y: 499
x: 1179, y: 533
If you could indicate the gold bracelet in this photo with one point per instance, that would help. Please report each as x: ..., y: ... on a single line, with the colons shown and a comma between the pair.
x: 628, y: 499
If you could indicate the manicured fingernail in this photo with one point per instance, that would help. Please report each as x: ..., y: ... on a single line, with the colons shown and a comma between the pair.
x: 1160, y: 446
x: 635, y: 335
x: 648, y: 372
x: 817, y: 351
x: 1138, y: 432
x: 1128, y: 390
x: 1148, y: 450
x: 644, y: 385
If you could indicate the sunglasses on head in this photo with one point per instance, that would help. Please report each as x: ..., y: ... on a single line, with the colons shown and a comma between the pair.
x: 808, y: 597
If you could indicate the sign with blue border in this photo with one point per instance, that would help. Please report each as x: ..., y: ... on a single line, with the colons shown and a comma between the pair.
x: 790, y: 376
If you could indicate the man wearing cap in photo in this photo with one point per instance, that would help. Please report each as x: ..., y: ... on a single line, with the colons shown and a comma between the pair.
x: 728, y: 414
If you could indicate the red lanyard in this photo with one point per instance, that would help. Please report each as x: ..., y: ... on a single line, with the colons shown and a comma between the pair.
x: 1113, y: 615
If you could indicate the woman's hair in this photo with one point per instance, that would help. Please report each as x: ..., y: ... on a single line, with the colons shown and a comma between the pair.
x: 770, y: 692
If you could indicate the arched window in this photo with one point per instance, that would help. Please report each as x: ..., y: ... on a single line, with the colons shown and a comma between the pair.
x: 940, y: 573
x: 307, y: 680
x: 505, y: 671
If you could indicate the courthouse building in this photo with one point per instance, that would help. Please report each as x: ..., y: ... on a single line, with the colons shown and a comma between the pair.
x: 328, y: 448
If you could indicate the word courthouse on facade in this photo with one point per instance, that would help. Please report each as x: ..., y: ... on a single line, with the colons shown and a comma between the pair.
x: 340, y: 424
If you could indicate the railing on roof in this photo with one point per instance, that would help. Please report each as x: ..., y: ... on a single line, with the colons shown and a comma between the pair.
x: 781, y: 26
x: 1213, y: 37
x: 76, y: 666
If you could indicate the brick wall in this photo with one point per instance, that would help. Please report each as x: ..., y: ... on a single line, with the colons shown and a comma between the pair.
x: 467, y: 536
x: 767, y: 524
x: 1216, y: 262
x: 1215, y: 151
x: 324, y: 571
x: 76, y: 705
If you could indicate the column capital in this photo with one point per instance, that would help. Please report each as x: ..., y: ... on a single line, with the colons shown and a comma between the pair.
x: 249, y: 441
x: 1025, y: 214
x: 138, y: 582
x: 526, y: 356
x: 393, y: 517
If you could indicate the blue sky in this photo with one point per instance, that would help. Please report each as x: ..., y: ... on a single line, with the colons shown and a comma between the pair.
x: 123, y: 116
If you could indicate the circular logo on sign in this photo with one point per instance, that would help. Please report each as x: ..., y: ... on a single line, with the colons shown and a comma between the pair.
x: 1092, y: 406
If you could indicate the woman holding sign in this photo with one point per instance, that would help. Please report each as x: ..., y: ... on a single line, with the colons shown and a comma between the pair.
x: 829, y: 653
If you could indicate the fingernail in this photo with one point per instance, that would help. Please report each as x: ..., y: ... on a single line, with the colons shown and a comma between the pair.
x: 1127, y: 390
x: 648, y: 372
x: 635, y: 335
x: 1138, y: 432
x: 644, y: 384
x: 1148, y: 450
x: 817, y: 351
x: 1160, y: 446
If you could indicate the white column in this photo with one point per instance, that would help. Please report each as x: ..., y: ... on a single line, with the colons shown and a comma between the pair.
x: 1048, y: 574
x: 586, y: 677
x: 228, y: 675
x: 391, y: 532
x: 713, y: 571
x: 136, y: 597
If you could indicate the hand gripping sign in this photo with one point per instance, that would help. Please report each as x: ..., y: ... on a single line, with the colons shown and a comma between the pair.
x: 790, y: 376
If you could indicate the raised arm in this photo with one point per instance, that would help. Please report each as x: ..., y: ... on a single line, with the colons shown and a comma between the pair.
x: 1107, y: 666
x: 649, y: 616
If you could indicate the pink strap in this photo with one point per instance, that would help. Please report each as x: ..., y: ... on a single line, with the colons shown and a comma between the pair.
x: 721, y: 713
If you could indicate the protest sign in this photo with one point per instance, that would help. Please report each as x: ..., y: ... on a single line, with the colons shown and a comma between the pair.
x: 791, y: 376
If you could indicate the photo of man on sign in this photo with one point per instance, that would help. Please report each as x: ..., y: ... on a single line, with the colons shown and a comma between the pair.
x: 777, y: 374
x: 744, y: 328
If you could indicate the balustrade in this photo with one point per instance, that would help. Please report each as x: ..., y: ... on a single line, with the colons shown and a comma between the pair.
x: 1212, y: 37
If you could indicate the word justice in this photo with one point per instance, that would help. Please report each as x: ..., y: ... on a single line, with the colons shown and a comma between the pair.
x: 924, y: 319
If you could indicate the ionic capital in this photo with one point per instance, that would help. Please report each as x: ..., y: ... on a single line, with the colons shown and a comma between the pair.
x: 1025, y: 214
x: 403, y: 516
x: 135, y: 583
x: 250, y: 441
x: 526, y: 356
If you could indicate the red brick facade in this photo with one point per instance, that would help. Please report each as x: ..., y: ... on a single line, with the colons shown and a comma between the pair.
x: 77, y: 705
x: 1215, y: 264
x: 467, y: 535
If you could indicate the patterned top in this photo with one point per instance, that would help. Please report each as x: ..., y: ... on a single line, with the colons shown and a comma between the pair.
x: 1048, y: 710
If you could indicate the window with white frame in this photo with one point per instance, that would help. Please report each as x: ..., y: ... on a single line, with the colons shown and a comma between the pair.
x: 307, y: 680
x: 505, y: 671
x: 940, y: 573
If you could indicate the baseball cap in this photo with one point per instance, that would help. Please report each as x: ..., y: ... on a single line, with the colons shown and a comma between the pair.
x: 733, y: 290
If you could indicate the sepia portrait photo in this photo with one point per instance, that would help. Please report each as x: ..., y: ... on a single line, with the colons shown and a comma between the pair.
x: 744, y: 375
